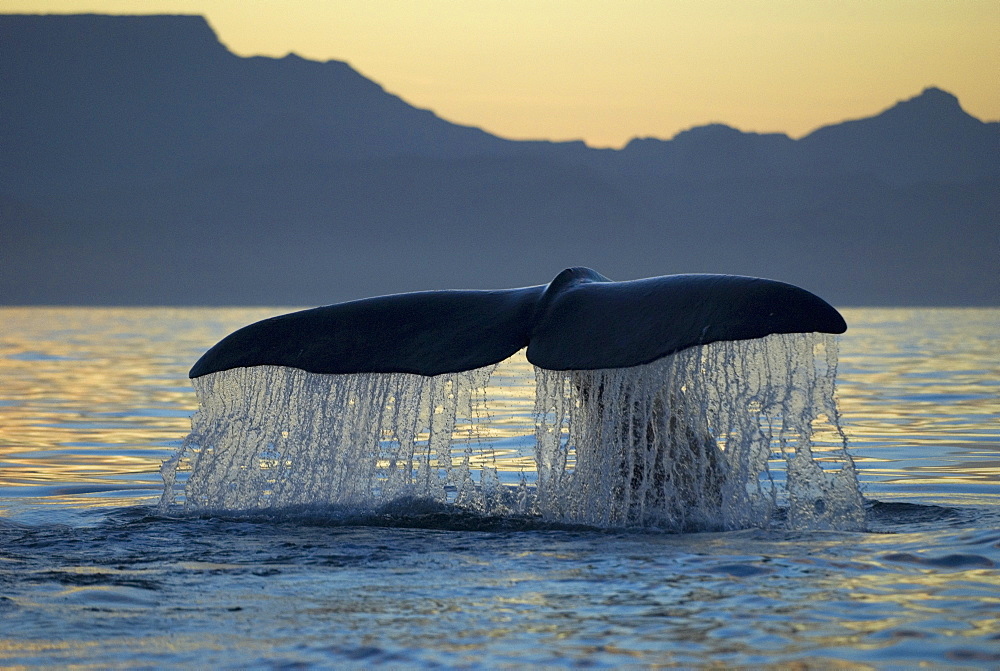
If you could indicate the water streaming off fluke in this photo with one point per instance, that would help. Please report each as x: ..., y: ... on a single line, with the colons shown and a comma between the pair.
x: 691, y: 441
x: 718, y: 436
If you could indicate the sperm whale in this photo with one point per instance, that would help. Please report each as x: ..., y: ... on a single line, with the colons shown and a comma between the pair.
x: 648, y: 408
x: 580, y: 320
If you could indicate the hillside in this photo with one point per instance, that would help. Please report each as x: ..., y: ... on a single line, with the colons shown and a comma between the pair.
x: 142, y: 162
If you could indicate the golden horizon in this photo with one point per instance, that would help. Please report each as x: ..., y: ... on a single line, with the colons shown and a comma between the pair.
x: 605, y: 73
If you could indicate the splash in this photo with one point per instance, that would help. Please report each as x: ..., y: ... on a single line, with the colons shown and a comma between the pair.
x: 694, y: 440
x: 271, y: 437
x: 722, y: 436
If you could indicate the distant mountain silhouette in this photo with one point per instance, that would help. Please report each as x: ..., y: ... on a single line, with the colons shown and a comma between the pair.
x: 927, y: 138
x: 142, y: 162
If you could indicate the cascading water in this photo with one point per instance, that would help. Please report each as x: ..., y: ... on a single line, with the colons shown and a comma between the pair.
x: 271, y: 437
x: 696, y: 440
x: 688, y: 441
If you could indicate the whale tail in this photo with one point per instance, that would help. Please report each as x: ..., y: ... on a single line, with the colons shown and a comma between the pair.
x: 579, y: 321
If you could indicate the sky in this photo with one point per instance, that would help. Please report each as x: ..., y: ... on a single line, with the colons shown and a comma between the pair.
x: 606, y: 71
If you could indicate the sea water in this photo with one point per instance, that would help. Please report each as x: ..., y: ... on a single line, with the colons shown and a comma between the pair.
x: 470, y: 533
x: 682, y: 443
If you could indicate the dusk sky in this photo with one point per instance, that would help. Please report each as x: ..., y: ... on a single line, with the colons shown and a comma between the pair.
x: 608, y: 70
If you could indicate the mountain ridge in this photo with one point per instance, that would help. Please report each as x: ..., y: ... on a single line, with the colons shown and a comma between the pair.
x: 141, y: 147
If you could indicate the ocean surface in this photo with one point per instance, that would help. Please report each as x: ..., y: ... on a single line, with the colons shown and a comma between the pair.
x: 95, y: 574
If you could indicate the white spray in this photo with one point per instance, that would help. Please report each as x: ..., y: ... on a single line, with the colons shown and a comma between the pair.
x: 690, y: 441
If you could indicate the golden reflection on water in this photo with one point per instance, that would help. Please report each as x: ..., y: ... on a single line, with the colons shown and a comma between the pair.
x: 921, y: 588
x: 922, y: 371
x: 919, y: 392
x: 98, y: 397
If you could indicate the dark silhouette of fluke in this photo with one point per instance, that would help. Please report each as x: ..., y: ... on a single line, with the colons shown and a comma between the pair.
x: 579, y: 321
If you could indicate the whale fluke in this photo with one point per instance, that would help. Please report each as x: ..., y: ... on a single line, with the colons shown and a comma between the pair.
x: 591, y: 322
x: 426, y: 332
x: 579, y: 321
